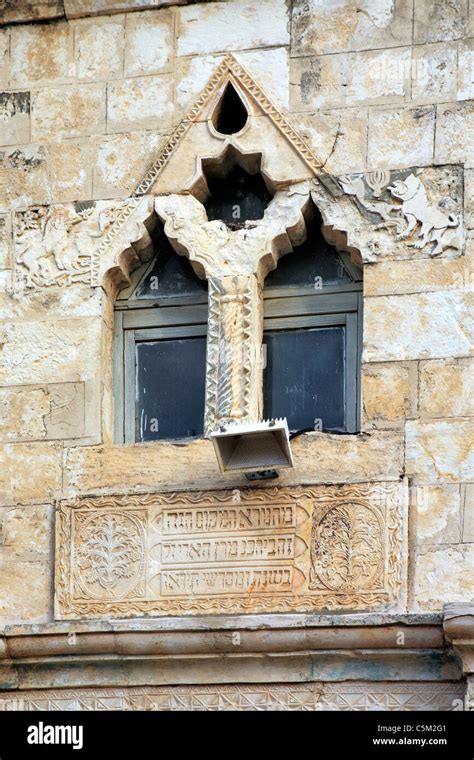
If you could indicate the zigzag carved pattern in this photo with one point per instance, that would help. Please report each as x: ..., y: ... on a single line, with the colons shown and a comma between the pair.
x: 228, y: 66
x: 212, y: 355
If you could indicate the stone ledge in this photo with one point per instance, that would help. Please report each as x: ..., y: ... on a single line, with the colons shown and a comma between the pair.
x: 33, y: 11
x: 459, y: 631
x: 271, y: 648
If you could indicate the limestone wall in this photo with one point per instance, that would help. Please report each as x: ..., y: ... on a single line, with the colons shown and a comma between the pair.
x: 86, y: 104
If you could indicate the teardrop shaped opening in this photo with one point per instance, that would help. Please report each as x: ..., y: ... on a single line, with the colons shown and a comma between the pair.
x: 230, y: 115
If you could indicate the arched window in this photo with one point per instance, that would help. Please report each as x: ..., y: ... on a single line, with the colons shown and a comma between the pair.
x: 312, y: 327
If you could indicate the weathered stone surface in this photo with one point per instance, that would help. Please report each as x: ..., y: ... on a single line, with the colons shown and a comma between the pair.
x: 386, y: 393
x: 446, y: 388
x: 419, y: 326
x: 49, y: 412
x: 349, y: 79
x: 29, y: 472
x: 148, y: 43
x: 214, y: 27
x: 443, y: 573
x: 434, y: 73
x: 26, y: 535
x: 467, y: 500
x: 465, y: 66
x: 41, y: 54
x: 47, y: 352
x: 338, y: 138
x: 68, y: 111
x: 5, y: 242
x: 319, y: 458
x: 400, y: 138
x: 14, y: 118
x: 78, y: 8
x: 417, y: 276
x: 30, y: 10
x: 79, y: 301
x: 454, y: 125
x: 445, y: 20
x: 4, y: 57
x: 99, y: 48
x: 440, y: 450
x: 469, y: 198
x: 438, y: 514
x: 24, y: 178
x: 70, y: 164
x: 339, y: 26
x: 121, y: 160
x: 268, y: 67
x: 139, y: 103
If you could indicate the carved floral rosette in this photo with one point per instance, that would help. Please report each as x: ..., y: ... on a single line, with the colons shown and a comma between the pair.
x: 242, y: 551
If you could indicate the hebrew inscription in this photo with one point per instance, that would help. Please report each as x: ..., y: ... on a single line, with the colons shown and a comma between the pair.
x: 251, y: 550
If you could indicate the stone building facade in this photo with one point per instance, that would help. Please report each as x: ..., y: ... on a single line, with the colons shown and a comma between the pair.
x: 359, y: 588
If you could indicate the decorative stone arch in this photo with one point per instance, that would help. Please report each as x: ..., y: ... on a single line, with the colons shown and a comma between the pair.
x: 235, y: 262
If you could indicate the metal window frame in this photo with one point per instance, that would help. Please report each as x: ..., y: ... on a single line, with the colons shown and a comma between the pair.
x: 186, y: 316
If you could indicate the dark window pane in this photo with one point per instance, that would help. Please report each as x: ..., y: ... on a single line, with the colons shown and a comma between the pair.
x: 170, y: 389
x: 238, y: 198
x: 171, y: 275
x: 304, y: 377
x: 315, y: 258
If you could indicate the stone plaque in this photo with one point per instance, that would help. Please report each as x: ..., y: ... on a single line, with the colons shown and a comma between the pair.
x: 253, y: 550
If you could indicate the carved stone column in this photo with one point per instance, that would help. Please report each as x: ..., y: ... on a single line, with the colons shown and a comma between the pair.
x: 234, y: 365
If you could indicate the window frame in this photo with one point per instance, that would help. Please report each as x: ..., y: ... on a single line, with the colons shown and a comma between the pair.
x: 285, y: 308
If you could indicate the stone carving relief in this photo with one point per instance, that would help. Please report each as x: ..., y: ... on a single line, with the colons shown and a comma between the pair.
x: 407, y: 209
x: 258, y: 697
x: 252, y: 550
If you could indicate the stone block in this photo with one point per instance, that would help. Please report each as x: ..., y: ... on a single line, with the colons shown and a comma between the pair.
x: 337, y: 137
x: 14, y: 118
x: 443, y: 20
x: 443, y: 575
x: 319, y: 458
x: 26, y: 540
x: 49, y: 303
x: 79, y: 8
x: 14, y: 12
x: 5, y: 242
x: 240, y: 25
x: 469, y: 198
x: 438, y: 514
x: 30, y: 472
x: 148, y: 43
x: 467, y: 502
x: 434, y: 72
x: 99, y: 48
x: 419, y: 326
x: 53, y: 351
x: 416, y: 276
x: 71, y: 169
x: 4, y: 57
x: 454, y: 127
x: 24, y: 178
x: 440, y: 450
x: 386, y: 393
x: 68, y: 111
x: 41, y: 54
x: 140, y: 103
x: 331, y: 27
x: 269, y: 68
x: 446, y: 388
x: 49, y: 412
x: 121, y: 161
x: 465, y: 89
x: 350, y: 79
x: 400, y: 137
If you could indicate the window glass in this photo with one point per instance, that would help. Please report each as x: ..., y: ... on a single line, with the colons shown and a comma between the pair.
x: 171, y: 275
x: 170, y: 389
x: 304, y: 377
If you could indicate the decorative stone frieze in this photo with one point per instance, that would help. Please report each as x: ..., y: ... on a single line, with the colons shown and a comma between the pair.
x: 231, y: 551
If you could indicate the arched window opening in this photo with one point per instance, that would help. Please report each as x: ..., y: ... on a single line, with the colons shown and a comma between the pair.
x: 312, y: 324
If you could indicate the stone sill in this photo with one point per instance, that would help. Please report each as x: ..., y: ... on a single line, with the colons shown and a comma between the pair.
x: 70, y: 9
